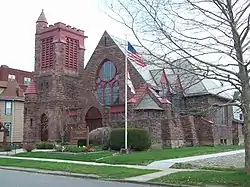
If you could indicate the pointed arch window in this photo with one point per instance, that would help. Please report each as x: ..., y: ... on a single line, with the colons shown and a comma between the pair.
x: 107, y: 84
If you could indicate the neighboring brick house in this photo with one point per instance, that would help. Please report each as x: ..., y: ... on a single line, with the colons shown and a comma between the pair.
x: 23, y: 78
x: 11, y: 110
x: 165, y: 103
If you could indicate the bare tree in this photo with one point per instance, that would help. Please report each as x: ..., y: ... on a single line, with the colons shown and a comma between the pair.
x: 213, y: 35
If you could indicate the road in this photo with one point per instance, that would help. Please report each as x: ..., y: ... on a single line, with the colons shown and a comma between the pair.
x: 22, y: 179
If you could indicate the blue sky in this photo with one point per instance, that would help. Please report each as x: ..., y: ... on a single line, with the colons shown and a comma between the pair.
x: 18, y: 19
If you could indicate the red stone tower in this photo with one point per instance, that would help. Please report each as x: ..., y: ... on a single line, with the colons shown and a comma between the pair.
x: 59, y: 66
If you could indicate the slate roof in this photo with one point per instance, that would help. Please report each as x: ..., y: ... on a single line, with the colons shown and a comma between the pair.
x: 192, y: 84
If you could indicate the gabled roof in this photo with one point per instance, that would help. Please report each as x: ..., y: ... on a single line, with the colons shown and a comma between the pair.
x: 147, y: 103
x: 191, y: 84
x: 31, y: 88
x: 11, y: 90
x: 143, y: 96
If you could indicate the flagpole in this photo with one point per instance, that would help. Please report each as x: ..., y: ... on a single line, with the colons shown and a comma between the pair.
x: 126, y: 95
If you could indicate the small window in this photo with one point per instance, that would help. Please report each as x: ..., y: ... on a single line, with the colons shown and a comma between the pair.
x: 8, y: 126
x: 113, y: 116
x: 11, y: 77
x: 8, y: 108
x: 26, y: 80
x: 31, y: 122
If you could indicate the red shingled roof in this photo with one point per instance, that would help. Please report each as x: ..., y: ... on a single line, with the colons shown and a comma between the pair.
x: 142, y: 90
x: 31, y: 88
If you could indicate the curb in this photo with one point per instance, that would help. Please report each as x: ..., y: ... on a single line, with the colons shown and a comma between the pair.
x: 83, y: 176
x: 57, y: 173
x: 149, y: 183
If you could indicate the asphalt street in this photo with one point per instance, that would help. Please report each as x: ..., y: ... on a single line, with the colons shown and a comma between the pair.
x: 25, y: 179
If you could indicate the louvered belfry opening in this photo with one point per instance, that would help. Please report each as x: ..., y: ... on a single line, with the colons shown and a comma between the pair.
x: 47, y: 53
x: 71, y: 53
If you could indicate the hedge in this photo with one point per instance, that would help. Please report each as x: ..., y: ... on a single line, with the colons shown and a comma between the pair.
x: 138, y: 139
x: 45, y: 145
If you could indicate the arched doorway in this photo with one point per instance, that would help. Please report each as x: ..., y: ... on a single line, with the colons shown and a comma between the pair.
x: 44, y: 128
x: 93, y: 118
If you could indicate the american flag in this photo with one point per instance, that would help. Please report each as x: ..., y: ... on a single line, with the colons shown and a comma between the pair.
x: 134, y: 56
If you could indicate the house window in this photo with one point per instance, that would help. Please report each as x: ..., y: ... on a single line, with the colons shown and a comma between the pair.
x: 164, y: 90
x: 26, y: 80
x: 220, y: 116
x: 11, y: 77
x: 8, y: 107
x: 47, y: 53
x: 117, y: 116
x: 107, y: 84
x: 71, y: 53
x: 8, y: 126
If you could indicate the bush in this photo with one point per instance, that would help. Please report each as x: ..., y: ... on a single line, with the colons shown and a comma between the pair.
x: 74, y: 149
x: 45, y: 145
x: 28, y: 147
x: 138, y: 139
x: 64, y: 143
x: 7, y: 147
x: 99, y: 136
x: 59, y: 148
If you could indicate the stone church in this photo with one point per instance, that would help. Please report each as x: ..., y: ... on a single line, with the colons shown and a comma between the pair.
x: 93, y: 95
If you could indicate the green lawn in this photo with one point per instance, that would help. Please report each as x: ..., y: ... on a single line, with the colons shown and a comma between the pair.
x: 203, y: 178
x: 102, y: 171
x: 138, y: 158
x: 89, y: 157
x: 144, y: 158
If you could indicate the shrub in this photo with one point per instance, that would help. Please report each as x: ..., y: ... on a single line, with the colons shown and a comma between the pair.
x: 64, y: 143
x: 59, y: 148
x: 74, y: 149
x: 45, y: 145
x: 138, y: 139
x: 100, y: 136
x: 28, y: 147
x: 7, y: 147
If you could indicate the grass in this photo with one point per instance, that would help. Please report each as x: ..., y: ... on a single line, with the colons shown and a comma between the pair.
x: 102, y: 171
x: 137, y: 158
x: 203, y: 178
x: 146, y: 157
x: 89, y: 157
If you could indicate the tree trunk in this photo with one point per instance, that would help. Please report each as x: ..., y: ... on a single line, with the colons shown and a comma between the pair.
x: 62, y: 134
x: 246, y: 112
x: 247, y: 138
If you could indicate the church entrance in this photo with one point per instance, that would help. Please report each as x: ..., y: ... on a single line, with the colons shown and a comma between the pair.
x: 44, y: 128
x: 93, y: 119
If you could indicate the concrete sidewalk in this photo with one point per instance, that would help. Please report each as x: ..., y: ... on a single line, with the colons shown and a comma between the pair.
x: 164, y: 164
x: 151, y: 176
x: 78, y: 162
x: 158, y: 165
